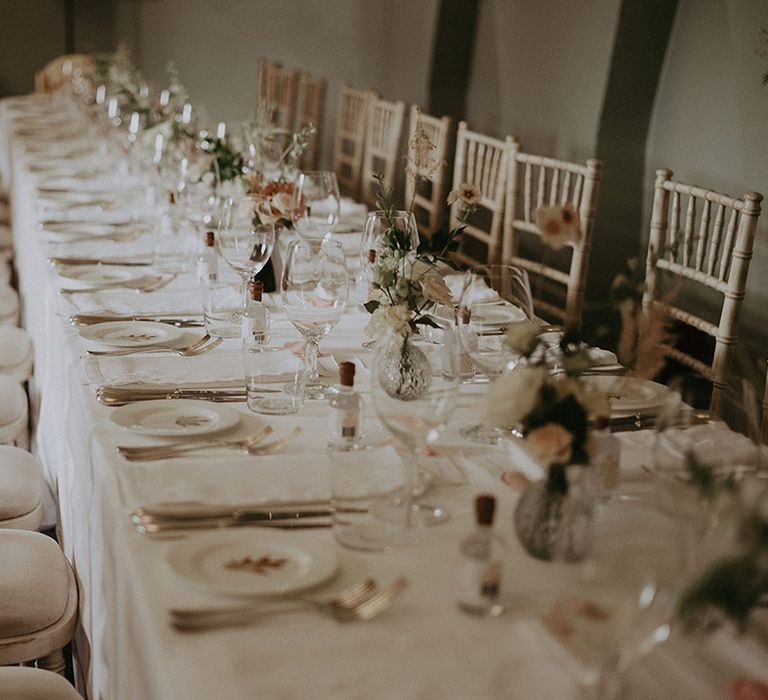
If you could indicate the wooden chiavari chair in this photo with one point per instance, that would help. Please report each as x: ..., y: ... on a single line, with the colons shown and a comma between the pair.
x: 482, y: 161
x: 536, y: 181
x: 351, y: 120
x: 382, y: 138
x: 707, y: 248
x: 426, y: 170
x: 310, y: 109
x: 60, y: 70
x: 277, y: 88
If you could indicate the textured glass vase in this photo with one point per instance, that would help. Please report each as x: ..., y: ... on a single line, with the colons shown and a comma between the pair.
x: 554, y: 517
x: 404, y: 371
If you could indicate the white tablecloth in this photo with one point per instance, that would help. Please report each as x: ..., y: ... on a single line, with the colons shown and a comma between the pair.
x: 422, y: 648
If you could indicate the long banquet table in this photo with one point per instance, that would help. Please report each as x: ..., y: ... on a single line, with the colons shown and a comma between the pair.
x: 424, y: 647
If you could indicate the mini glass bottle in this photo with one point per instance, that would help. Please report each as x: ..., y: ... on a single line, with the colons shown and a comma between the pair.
x: 346, y: 405
x: 255, y: 328
x: 208, y: 260
x: 480, y: 571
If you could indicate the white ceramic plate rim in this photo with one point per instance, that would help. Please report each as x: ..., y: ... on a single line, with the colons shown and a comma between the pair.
x: 124, y: 274
x: 653, y: 393
x: 128, y: 417
x: 184, y: 558
x: 97, y: 332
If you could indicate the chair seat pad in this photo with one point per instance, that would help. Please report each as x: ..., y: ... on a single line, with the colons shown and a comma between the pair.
x: 21, y: 482
x: 15, y: 351
x: 9, y: 303
x: 24, y: 683
x: 13, y: 401
x: 34, y: 582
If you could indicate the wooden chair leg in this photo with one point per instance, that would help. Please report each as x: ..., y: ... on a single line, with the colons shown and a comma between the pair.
x: 53, y: 662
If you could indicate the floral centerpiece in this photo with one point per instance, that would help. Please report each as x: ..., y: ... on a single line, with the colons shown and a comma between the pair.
x: 406, y: 284
x: 277, y: 197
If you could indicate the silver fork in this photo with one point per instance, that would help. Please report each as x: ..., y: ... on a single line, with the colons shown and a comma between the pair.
x: 354, y: 605
x: 140, y: 286
x: 255, y: 449
x: 199, y: 347
x: 149, y: 453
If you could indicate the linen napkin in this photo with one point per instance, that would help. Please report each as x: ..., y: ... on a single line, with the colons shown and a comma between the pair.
x: 128, y: 301
x: 478, y: 291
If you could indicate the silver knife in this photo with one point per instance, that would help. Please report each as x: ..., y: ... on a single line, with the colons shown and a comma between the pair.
x: 153, y: 528
x: 89, y: 319
x: 99, y: 261
x: 171, y: 512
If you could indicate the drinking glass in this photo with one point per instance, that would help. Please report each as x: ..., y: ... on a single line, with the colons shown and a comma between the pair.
x: 222, y: 304
x: 198, y: 189
x: 314, y: 289
x: 275, y: 380
x: 496, y: 296
x: 244, y: 241
x: 414, y: 396
x: 377, y: 225
x: 621, y: 595
x: 316, y: 204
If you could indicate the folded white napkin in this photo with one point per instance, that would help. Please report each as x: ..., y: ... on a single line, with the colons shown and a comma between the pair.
x: 128, y: 301
x: 599, y: 357
x: 477, y: 292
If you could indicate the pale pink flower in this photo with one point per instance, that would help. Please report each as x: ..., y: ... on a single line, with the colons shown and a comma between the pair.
x: 435, y: 289
x: 467, y: 195
x: 559, y: 225
x: 550, y: 444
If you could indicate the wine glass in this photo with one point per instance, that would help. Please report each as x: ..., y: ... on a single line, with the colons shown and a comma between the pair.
x: 314, y: 289
x: 493, y: 297
x: 377, y: 225
x: 621, y: 595
x: 199, y: 187
x: 414, y: 394
x: 316, y: 204
x: 244, y: 241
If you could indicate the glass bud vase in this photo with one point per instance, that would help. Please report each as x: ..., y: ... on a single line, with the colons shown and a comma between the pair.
x: 554, y: 517
x: 404, y: 371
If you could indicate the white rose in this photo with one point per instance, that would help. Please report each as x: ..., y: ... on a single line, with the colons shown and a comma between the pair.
x: 513, y: 395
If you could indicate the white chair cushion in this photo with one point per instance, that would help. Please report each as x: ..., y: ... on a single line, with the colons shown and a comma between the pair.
x: 24, y: 683
x: 34, y: 582
x: 21, y: 482
x: 5, y: 271
x: 13, y: 400
x: 16, y: 354
x: 9, y: 305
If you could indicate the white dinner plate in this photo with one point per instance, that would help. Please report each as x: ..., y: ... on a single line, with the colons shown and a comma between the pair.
x: 630, y: 394
x: 131, y: 334
x: 485, y: 315
x: 95, y: 275
x: 174, y: 417
x: 212, y: 562
x: 80, y: 229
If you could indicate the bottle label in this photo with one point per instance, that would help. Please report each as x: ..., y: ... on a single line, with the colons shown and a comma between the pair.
x: 480, y: 583
x: 348, y: 423
x: 253, y: 331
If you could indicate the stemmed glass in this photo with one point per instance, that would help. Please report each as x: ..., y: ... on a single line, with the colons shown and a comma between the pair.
x: 622, y: 594
x: 316, y: 204
x: 415, y: 417
x: 199, y: 187
x: 495, y: 296
x: 244, y: 241
x: 376, y: 226
x: 314, y: 289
